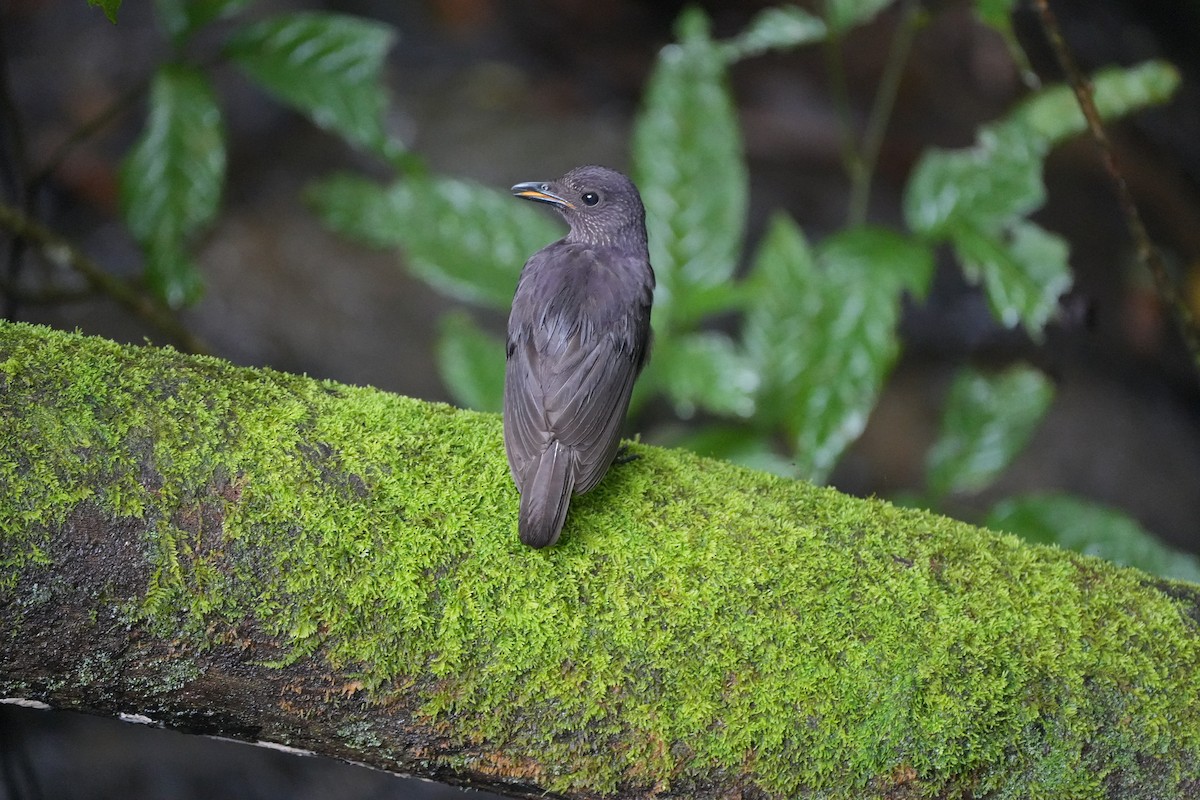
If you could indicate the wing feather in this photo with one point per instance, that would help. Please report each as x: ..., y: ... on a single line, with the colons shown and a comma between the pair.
x: 572, y: 362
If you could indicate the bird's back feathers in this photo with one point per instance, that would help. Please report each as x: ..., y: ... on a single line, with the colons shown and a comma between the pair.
x: 578, y: 336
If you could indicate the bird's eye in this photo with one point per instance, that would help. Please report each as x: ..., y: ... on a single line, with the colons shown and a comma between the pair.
x: 590, y: 198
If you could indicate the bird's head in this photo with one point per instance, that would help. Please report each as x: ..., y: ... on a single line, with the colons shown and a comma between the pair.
x: 601, y: 205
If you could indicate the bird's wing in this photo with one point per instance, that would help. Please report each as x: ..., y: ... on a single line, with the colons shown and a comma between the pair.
x: 526, y: 431
x: 586, y: 401
x: 570, y: 377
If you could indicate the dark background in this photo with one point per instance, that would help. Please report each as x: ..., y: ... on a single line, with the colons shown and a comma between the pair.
x: 502, y: 92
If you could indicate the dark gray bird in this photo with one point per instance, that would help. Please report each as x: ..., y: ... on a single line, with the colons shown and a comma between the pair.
x: 578, y: 335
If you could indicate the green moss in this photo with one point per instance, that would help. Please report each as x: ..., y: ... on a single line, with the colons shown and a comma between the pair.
x: 696, y: 616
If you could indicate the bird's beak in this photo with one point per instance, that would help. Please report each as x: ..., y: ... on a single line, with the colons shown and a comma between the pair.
x: 541, y: 192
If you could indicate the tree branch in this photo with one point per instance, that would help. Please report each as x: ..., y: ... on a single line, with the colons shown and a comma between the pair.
x: 60, y: 250
x: 268, y: 557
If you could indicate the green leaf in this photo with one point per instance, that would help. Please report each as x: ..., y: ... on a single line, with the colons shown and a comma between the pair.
x: 977, y: 198
x: 781, y: 318
x: 997, y: 14
x: 466, y: 240
x: 1092, y: 529
x: 171, y: 273
x: 1024, y: 272
x: 688, y: 164
x: 181, y: 17
x: 328, y: 66
x: 171, y: 180
x: 889, y: 261
x: 360, y: 209
x: 737, y: 444
x: 821, y: 332
x: 842, y: 15
x: 705, y: 371
x: 471, y: 363
x: 779, y: 28
x: 986, y: 186
x: 109, y: 7
x: 1053, y: 114
x: 989, y: 418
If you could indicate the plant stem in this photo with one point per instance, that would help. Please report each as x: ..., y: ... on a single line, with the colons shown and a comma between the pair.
x: 86, y: 130
x: 881, y: 111
x: 1148, y: 254
x: 58, y: 249
x: 851, y: 158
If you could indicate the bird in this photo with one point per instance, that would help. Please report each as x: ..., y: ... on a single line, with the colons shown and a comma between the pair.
x: 578, y: 337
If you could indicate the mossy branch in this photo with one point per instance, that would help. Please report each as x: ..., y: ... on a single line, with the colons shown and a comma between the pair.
x: 268, y: 557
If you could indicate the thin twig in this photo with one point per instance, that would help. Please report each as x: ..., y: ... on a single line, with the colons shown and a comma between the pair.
x: 52, y: 296
x: 58, y: 249
x: 1148, y: 254
x: 851, y: 159
x: 881, y: 111
x: 87, y: 130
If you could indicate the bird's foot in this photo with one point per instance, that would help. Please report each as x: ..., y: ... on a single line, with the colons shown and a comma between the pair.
x: 623, y: 455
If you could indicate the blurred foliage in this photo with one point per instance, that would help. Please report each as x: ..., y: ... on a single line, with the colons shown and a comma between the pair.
x: 181, y: 17
x: 1089, y: 528
x: 688, y: 165
x: 171, y: 180
x: 989, y: 418
x: 808, y: 333
x: 978, y: 199
x: 109, y: 7
x: 326, y: 66
x: 460, y: 237
x: 466, y: 357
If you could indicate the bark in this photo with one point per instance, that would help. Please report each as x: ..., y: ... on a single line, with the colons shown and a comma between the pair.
x: 271, y: 558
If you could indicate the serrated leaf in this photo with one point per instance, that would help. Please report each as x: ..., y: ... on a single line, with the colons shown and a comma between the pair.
x: 467, y: 240
x: 786, y: 304
x: 989, y: 418
x: 1092, y: 529
x: 780, y: 28
x: 1053, y: 114
x: 986, y: 186
x: 109, y: 7
x: 171, y: 180
x: 999, y: 178
x: 688, y: 164
x: 978, y: 197
x: 471, y: 363
x: 842, y: 15
x: 1024, y: 272
x: 821, y: 332
x: 705, y: 371
x: 328, y: 66
x: 181, y: 17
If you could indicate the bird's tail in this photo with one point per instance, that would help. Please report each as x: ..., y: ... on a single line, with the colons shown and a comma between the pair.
x: 546, y: 495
